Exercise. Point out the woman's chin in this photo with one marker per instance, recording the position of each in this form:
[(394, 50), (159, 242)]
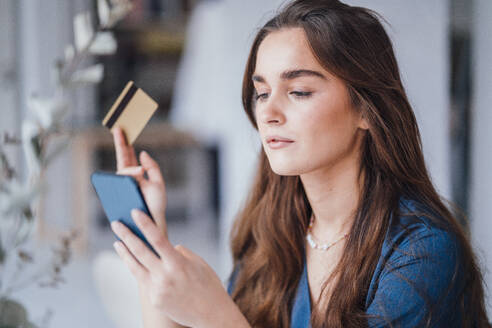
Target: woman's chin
[(284, 170)]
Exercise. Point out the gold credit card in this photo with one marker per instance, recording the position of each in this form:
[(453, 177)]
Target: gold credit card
[(131, 112)]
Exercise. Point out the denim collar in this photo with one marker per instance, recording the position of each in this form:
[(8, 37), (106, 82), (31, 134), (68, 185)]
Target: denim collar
[(301, 310)]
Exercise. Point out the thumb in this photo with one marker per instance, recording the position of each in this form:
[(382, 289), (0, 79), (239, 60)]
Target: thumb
[(151, 167)]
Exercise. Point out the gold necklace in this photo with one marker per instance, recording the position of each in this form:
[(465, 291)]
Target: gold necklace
[(314, 244)]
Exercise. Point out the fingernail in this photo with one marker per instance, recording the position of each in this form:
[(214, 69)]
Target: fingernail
[(138, 217), (116, 225)]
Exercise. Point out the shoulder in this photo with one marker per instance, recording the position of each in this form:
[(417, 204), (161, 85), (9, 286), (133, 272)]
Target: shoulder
[(420, 265), (412, 232)]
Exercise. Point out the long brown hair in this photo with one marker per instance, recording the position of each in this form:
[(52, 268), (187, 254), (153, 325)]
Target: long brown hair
[(268, 234)]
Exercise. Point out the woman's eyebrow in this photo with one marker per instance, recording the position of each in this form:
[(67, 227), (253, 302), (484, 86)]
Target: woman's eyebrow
[(292, 74)]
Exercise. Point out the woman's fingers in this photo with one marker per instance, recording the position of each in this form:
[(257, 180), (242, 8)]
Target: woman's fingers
[(154, 235), (125, 154), (131, 170), (136, 246), (151, 166), (138, 271), (135, 171)]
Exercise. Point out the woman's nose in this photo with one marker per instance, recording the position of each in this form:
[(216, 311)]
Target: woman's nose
[(271, 112)]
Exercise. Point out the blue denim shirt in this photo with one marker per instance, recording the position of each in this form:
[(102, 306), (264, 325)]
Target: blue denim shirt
[(413, 276)]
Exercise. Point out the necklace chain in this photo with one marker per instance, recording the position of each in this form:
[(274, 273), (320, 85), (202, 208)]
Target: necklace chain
[(314, 244)]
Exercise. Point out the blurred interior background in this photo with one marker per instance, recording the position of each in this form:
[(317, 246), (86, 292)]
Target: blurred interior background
[(189, 56)]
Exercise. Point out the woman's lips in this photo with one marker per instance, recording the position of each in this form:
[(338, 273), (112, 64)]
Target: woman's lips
[(279, 144), (276, 142)]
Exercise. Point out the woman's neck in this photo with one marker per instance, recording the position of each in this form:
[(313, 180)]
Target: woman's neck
[(333, 194)]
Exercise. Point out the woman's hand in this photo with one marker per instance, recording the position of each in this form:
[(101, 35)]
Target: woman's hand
[(153, 188), (179, 283)]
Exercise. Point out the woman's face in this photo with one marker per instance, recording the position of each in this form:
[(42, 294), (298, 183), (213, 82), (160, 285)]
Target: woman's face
[(300, 102)]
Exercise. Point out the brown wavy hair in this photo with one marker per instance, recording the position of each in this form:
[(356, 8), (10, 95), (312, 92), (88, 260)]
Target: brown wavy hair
[(268, 236)]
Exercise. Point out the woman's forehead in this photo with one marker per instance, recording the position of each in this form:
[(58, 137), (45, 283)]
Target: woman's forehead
[(286, 50)]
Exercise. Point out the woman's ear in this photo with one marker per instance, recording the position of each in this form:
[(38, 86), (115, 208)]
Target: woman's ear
[(363, 123)]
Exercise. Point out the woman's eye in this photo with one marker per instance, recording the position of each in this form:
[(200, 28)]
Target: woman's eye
[(301, 94), (261, 96), (297, 94)]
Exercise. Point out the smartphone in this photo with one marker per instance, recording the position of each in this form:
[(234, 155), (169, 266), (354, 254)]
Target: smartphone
[(119, 194)]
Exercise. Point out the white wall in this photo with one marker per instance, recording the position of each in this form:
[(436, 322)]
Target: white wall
[(420, 33), (207, 100), (481, 173)]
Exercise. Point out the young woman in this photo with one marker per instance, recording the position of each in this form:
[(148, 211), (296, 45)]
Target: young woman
[(343, 227)]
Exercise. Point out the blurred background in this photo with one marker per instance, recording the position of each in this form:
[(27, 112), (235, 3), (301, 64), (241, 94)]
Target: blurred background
[(189, 56)]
